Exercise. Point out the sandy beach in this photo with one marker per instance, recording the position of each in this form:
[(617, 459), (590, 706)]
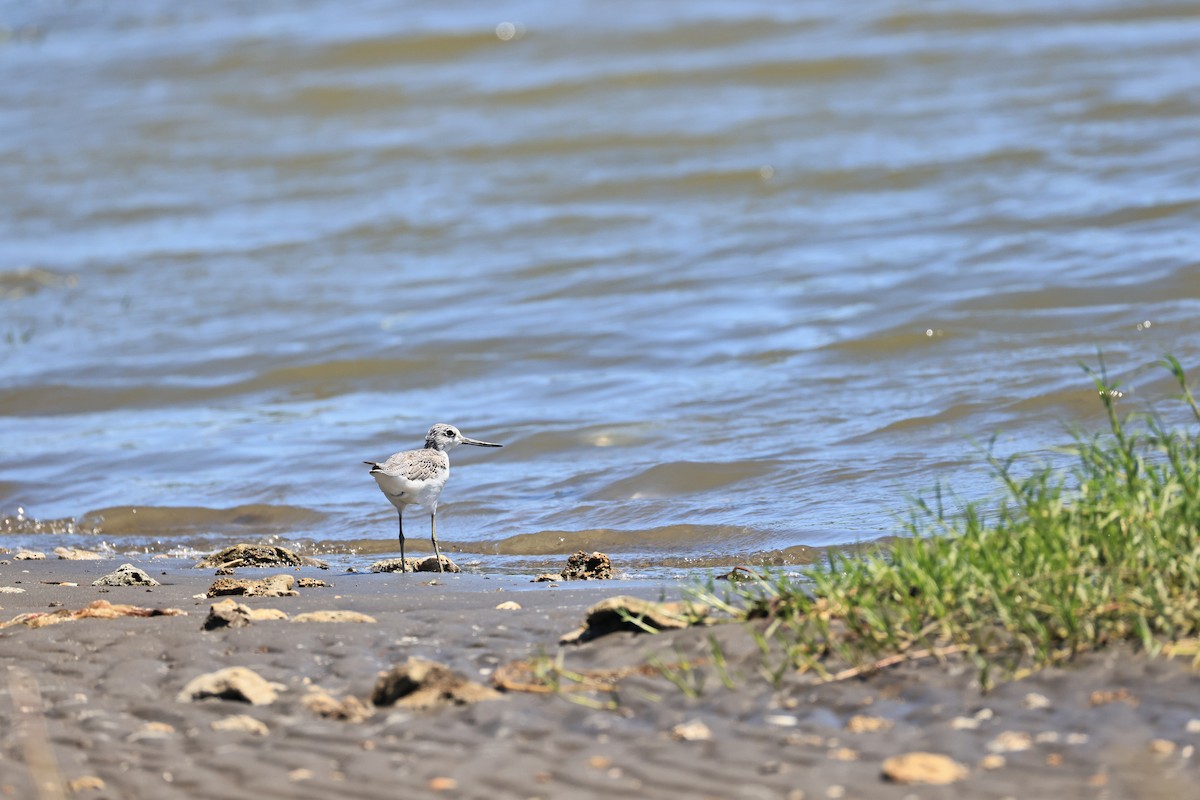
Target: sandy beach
[(93, 705)]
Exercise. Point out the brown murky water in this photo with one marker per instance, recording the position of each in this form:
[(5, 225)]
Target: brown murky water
[(725, 277)]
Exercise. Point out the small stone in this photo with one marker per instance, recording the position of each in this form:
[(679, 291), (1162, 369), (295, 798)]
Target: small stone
[(692, 731), (28, 555), (1035, 701), (427, 564), (1162, 747), (862, 723), (509, 605), (311, 583), (301, 774), (926, 768), (992, 761), (1054, 759), (1193, 725), (229, 613), (599, 762), (420, 684), (1047, 737), (232, 683), (85, 784), (1077, 738), (964, 723), (11, 590), (282, 585), (348, 709), (626, 613), (338, 615), (443, 784), (1011, 742), (126, 575), (843, 754), (1103, 697), (241, 723)]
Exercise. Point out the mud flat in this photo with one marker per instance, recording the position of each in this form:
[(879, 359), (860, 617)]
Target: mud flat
[(95, 703)]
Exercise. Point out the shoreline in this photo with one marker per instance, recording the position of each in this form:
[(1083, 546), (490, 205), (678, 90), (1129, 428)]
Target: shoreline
[(1116, 724)]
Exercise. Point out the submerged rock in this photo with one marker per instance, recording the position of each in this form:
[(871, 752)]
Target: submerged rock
[(581, 566), (257, 555), (233, 683), (126, 575), (422, 684)]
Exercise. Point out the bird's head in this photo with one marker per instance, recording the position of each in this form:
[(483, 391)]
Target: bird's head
[(446, 437)]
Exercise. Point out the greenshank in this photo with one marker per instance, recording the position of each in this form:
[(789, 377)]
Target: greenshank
[(417, 477)]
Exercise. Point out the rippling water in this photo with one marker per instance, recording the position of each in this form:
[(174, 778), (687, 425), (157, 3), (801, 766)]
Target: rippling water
[(726, 278)]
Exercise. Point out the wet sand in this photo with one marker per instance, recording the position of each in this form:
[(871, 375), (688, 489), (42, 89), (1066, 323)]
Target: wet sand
[(96, 699)]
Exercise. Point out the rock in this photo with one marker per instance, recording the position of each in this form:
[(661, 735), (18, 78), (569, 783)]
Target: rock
[(99, 609), (422, 684), (1103, 697), (427, 564), (126, 575), (509, 605), (919, 767), (584, 567), (693, 731), (274, 586), (348, 709), (1035, 701), (11, 590), (338, 615), (28, 555), (241, 723), (547, 577), (861, 723), (441, 783), (625, 613), (1011, 742), (232, 683), (86, 783), (311, 583), (230, 614), (257, 555), (75, 554)]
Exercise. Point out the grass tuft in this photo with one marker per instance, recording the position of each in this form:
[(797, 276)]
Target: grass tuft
[(1069, 560)]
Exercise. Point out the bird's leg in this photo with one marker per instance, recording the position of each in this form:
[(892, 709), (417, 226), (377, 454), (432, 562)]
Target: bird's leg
[(433, 533), (400, 520)]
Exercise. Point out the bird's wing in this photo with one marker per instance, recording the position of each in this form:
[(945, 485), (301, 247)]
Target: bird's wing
[(416, 465)]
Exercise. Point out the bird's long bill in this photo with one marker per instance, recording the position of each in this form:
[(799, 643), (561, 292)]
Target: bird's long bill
[(478, 443)]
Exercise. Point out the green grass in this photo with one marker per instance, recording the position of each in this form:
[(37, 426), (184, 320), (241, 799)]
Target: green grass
[(1067, 561)]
